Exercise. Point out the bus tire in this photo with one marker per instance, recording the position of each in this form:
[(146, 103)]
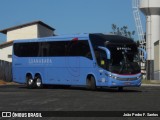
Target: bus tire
[(91, 83), (38, 82), (30, 82), (120, 89)]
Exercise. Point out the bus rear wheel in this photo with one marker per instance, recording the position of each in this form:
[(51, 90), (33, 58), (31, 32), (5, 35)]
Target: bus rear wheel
[(30, 82), (38, 82), (91, 84)]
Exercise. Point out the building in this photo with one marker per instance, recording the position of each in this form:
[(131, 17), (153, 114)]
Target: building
[(151, 9), (30, 30)]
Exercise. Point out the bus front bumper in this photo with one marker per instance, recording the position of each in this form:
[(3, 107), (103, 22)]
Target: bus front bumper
[(124, 81), (117, 83)]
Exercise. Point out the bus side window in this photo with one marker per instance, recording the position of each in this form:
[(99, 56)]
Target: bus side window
[(79, 48)]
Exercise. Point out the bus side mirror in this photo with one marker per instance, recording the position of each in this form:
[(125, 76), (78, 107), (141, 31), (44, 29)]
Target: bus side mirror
[(107, 51), (144, 57)]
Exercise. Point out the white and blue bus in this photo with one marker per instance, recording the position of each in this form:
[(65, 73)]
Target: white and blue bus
[(91, 60)]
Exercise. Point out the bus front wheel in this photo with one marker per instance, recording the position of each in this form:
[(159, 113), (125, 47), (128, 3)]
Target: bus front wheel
[(120, 88), (91, 84)]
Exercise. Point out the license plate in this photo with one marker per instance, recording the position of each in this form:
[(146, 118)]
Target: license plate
[(127, 83)]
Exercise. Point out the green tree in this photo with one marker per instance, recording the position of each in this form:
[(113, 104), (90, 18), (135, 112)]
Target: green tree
[(122, 31)]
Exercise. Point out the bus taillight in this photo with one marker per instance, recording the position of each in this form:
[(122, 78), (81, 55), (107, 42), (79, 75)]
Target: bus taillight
[(75, 39)]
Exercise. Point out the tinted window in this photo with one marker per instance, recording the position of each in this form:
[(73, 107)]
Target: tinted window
[(78, 48), (26, 49), (57, 48), (53, 48)]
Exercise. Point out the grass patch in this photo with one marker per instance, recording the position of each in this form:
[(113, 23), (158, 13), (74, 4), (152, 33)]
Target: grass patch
[(146, 82), (150, 82)]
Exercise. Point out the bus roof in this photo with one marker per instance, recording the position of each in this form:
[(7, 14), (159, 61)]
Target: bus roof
[(113, 39), (108, 37), (56, 38)]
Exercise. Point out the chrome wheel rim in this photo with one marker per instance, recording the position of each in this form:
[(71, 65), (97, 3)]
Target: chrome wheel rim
[(30, 81), (38, 82)]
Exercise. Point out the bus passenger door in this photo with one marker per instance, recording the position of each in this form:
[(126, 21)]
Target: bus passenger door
[(102, 66)]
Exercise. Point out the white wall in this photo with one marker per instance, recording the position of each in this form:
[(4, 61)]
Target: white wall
[(157, 60), (4, 52), (27, 32)]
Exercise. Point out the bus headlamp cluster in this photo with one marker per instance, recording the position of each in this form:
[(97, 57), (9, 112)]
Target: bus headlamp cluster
[(112, 76), (139, 77)]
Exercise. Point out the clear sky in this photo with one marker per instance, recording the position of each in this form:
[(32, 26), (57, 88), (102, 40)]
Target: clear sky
[(68, 16)]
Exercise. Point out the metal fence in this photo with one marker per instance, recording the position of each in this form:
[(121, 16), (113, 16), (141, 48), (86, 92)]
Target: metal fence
[(5, 71)]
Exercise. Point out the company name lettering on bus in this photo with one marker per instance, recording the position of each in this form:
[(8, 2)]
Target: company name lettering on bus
[(123, 48), (40, 61)]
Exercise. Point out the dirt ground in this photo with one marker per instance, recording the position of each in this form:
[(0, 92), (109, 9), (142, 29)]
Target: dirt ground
[(7, 83)]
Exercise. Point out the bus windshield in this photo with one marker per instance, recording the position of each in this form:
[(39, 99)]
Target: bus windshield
[(124, 59), (124, 53)]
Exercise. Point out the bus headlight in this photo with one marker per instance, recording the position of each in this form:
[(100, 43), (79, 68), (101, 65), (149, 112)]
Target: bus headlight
[(109, 75), (114, 77), (139, 77)]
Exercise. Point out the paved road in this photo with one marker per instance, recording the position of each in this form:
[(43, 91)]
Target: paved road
[(19, 98)]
